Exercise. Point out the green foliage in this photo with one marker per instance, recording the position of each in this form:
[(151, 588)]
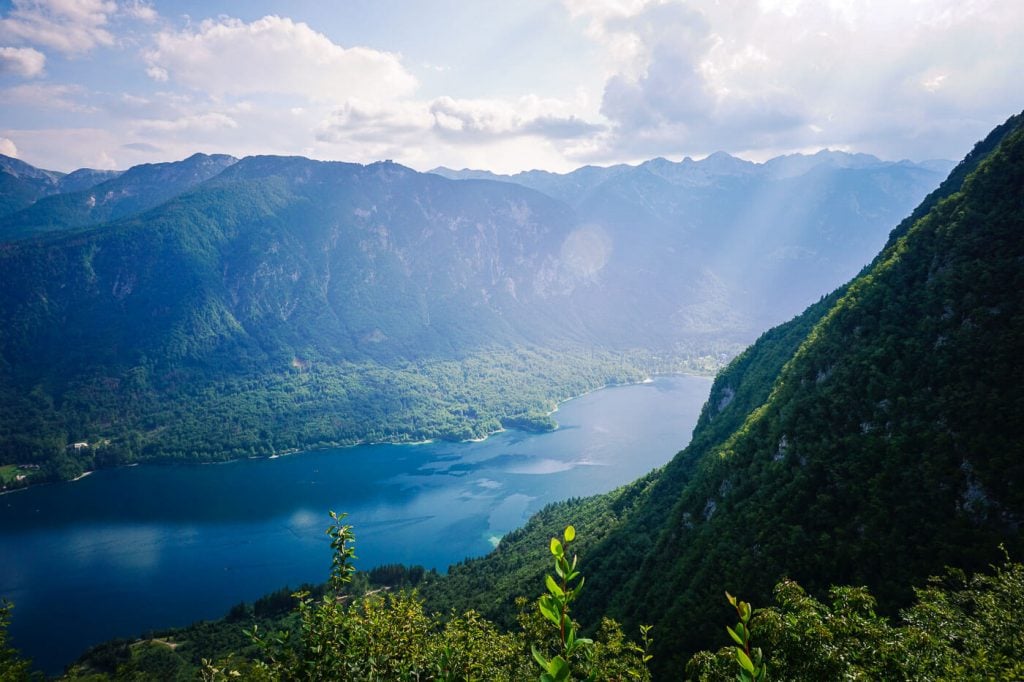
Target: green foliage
[(335, 633), (188, 415), (885, 445), (749, 658), (489, 584), (959, 628), (343, 552), (554, 606), (12, 667)]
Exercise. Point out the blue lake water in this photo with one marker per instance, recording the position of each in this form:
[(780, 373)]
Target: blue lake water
[(126, 550)]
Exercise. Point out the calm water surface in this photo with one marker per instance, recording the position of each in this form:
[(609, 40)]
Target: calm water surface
[(126, 550)]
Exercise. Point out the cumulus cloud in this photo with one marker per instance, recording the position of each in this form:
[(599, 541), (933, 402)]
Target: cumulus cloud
[(665, 77), (456, 121), (63, 149), (275, 55), (899, 79), (68, 26), (22, 61), (528, 115), (198, 122), (8, 148), (363, 121)]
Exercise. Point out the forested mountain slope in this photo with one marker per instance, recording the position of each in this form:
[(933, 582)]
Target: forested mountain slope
[(22, 184), (86, 198), (891, 443), (874, 439), (302, 303)]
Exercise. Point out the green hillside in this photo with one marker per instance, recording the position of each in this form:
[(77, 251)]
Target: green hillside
[(87, 197), (873, 440), (890, 444)]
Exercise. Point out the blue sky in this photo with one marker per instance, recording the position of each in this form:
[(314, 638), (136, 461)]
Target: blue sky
[(507, 86)]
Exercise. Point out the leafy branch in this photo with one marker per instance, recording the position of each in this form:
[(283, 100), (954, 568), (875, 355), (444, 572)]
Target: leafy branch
[(752, 666)]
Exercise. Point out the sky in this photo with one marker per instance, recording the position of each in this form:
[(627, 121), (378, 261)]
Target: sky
[(505, 86)]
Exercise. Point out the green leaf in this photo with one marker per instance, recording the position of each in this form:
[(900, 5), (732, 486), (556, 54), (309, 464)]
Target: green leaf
[(559, 668), (549, 610), (736, 638), (553, 587), (537, 656), (570, 533), (744, 660), (556, 548)]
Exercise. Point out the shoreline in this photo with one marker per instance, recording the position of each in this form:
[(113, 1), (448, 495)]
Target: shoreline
[(296, 451)]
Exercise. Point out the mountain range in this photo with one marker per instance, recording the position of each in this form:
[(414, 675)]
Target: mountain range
[(130, 299), (734, 246)]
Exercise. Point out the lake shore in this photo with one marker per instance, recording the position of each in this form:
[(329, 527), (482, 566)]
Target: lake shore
[(362, 442)]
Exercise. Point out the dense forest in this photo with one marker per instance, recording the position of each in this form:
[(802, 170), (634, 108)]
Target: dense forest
[(874, 442), (374, 625), (185, 416)]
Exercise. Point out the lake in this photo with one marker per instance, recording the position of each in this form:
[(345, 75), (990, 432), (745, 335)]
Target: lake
[(126, 550)]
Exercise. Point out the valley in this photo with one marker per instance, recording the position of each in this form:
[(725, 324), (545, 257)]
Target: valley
[(219, 308)]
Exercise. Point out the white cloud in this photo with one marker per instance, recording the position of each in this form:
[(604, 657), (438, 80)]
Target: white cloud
[(141, 10), (455, 121), (362, 121), (64, 149), (68, 26), (664, 77), (275, 55), (22, 61), (198, 122), (46, 96), (897, 79), (8, 148), (468, 119)]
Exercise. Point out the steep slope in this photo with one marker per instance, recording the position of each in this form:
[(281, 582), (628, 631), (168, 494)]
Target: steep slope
[(891, 442), (82, 202), (874, 439), (295, 256), (22, 184), (732, 245)]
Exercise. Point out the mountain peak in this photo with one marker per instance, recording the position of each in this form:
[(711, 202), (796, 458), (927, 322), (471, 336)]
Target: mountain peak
[(21, 169)]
